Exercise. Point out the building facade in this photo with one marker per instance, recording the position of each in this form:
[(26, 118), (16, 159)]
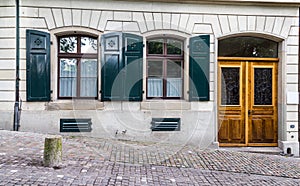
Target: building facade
[(207, 73)]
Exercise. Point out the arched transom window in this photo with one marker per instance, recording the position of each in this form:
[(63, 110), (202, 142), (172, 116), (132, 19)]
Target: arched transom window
[(246, 46)]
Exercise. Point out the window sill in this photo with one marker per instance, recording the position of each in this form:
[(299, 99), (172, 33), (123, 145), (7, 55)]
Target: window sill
[(165, 105), (75, 104)]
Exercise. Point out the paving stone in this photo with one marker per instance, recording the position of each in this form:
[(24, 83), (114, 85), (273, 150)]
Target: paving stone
[(96, 161)]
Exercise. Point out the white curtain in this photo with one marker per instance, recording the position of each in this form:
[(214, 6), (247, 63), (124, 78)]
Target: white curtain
[(88, 81), (174, 87), (67, 87), (155, 87), (88, 87), (68, 73)]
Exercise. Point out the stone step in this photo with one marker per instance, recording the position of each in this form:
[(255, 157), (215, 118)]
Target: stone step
[(261, 150)]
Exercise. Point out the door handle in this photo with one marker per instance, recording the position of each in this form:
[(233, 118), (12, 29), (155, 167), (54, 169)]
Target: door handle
[(249, 112)]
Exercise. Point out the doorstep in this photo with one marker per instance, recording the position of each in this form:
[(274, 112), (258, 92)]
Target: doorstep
[(261, 150)]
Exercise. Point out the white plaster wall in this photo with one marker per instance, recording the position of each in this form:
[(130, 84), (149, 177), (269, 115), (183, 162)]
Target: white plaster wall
[(7, 63), (7, 52)]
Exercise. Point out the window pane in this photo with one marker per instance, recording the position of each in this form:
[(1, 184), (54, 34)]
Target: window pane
[(68, 45), (67, 87), (88, 80), (88, 67), (174, 87), (155, 68), (174, 69), (155, 46), (155, 87), (174, 47), (68, 67), (263, 86), (248, 47), (88, 45), (230, 86), (88, 87), (68, 74)]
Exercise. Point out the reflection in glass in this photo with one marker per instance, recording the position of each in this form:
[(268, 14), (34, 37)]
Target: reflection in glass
[(174, 47), (88, 45), (155, 46), (248, 47), (174, 69), (263, 86), (68, 45), (155, 68), (174, 79), (88, 78), (230, 86), (68, 74)]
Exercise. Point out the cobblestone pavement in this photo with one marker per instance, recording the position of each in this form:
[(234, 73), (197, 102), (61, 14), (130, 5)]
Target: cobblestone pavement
[(95, 161)]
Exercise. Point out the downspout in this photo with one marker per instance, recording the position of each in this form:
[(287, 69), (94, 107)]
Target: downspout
[(17, 107), (299, 75)]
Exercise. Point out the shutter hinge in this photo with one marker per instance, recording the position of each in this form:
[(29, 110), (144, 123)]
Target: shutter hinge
[(100, 91), (51, 91), (143, 45), (188, 46), (51, 43)]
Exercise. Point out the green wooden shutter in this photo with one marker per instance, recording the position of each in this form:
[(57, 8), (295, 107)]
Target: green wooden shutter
[(38, 65), (199, 68), (133, 61), (111, 60), (121, 72)]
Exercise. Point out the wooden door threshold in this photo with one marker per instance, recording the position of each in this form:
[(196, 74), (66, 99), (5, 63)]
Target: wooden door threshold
[(263, 144), (248, 145)]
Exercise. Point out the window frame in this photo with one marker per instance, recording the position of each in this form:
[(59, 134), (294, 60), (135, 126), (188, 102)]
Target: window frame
[(164, 57), (78, 56)]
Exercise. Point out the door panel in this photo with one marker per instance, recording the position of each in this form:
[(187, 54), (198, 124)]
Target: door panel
[(247, 103), (231, 109), (262, 103)]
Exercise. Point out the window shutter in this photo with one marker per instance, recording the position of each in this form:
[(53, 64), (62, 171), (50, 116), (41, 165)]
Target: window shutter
[(133, 61), (199, 68), (121, 72), (38, 65), (111, 59)]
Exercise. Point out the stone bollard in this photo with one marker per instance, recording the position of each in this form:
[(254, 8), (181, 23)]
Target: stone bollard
[(53, 151)]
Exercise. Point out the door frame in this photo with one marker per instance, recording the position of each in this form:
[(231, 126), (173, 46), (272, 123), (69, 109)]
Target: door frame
[(245, 59)]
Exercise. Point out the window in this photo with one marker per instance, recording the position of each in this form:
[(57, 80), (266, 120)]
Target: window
[(78, 67), (164, 68), (245, 46)]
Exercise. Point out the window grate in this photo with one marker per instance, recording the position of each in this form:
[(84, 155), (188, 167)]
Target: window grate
[(165, 124), (75, 125)]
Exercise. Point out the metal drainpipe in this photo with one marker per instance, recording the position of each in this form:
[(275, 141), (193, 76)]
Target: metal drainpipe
[(299, 76), (17, 108)]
